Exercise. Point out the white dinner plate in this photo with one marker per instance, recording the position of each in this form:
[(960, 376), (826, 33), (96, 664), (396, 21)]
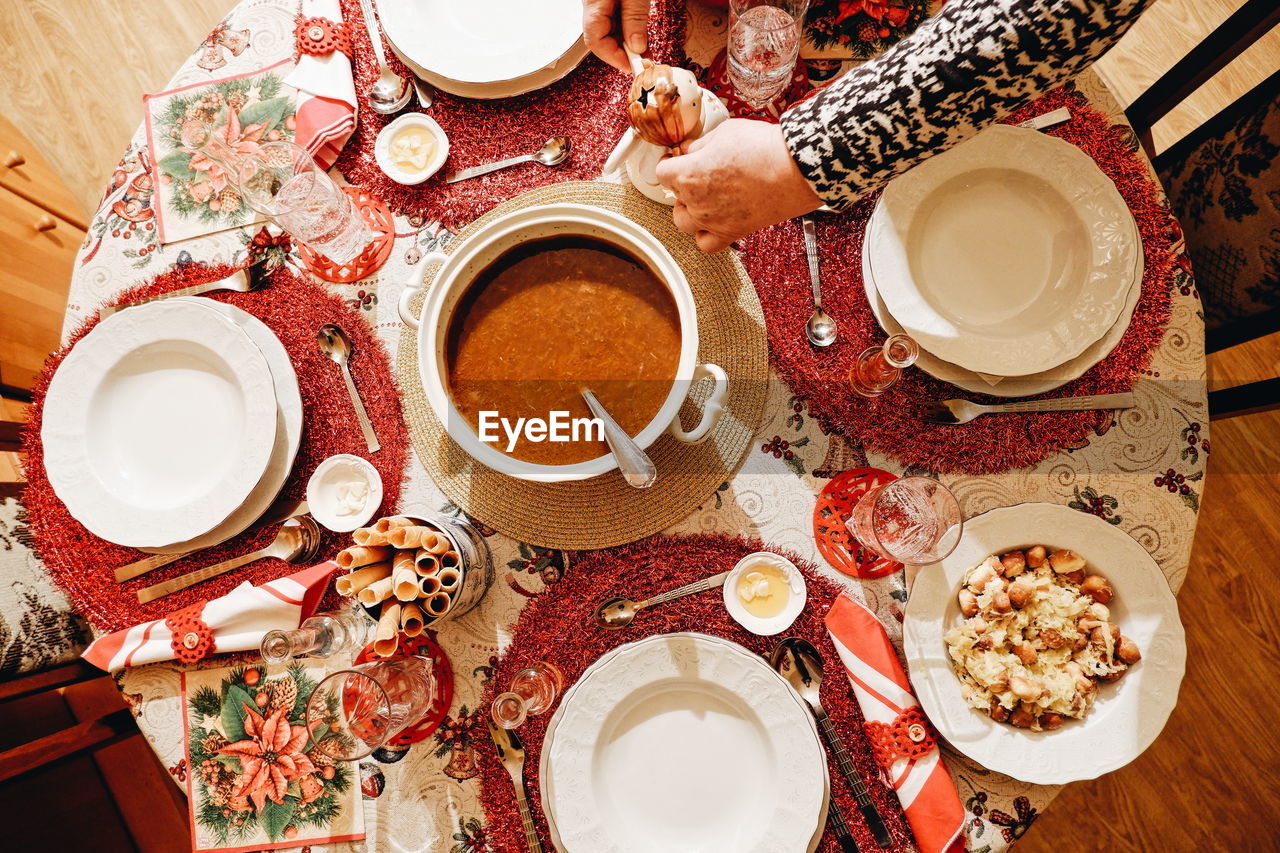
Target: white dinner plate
[(680, 743), (482, 41), (288, 429), (1020, 386), (544, 781), (158, 424), (1127, 715), (505, 88), (1008, 254)]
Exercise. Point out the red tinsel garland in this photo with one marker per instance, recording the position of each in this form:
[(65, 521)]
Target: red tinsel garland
[(557, 627), (588, 106), (294, 308), (893, 424)]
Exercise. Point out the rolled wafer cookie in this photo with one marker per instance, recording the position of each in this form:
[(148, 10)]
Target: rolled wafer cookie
[(450, 560), (385, 525), (376, 592), (425, 562), (368, 536), (404, 584), (411, 620), (428, 586), (438, 603), (387, 638), (411, 538), (362, 555), (449, 579), (351, 584)]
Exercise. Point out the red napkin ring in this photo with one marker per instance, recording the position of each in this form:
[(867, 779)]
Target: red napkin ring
[(321, 37), (909, 736), (191, 639)]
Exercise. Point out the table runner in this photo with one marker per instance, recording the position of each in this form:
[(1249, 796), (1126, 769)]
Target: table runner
[(427, 797)]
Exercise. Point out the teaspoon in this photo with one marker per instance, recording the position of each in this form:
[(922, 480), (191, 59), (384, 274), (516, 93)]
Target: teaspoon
[(392, 92), (552, 153), (335, 344), (821, 328), (801, 665), (615, 613), (636, 466)]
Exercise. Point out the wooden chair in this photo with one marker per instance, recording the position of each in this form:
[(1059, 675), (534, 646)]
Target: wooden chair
[(1223, 181)]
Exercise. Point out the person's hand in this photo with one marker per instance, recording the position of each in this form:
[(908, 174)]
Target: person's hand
[(602, 20), (737, 179)]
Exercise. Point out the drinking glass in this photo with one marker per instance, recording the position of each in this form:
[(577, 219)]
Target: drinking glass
[(354, 712), (879, 367), (321, 636), (764, 41), (913, 520), (533, 691)]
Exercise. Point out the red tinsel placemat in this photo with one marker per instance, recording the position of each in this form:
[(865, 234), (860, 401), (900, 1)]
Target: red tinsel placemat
[(557, 627), (893, 424), (588, 106), (294, 308)]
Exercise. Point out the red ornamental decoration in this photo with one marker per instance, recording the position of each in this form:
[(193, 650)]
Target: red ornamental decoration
[(909, 736), (383, 227), (877, 10), (192, 639), (321, 37), (831, 512), (441, 698)]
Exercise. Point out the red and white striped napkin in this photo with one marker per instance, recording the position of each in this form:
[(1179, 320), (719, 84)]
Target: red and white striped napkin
[(923, 786), (236, 622), (326, 93)]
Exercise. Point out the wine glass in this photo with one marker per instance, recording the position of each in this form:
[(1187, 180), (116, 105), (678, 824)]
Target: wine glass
[(355, 711), (913, 520), (764, 42)]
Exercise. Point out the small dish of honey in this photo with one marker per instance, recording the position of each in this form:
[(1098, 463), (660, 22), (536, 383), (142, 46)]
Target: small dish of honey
[(764, 593), (411, 149)]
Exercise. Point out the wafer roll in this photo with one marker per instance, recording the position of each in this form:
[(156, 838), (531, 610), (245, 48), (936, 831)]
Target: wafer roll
[(368, 536), (402, 560), (437, 545), (449, 579), (387, 639), (376, 592), (405, 583), (438, 603), (362, 555), (450, 560), (351, 584), (411, 621), (410, 538), (386, 525), (425, 562), (429, 585)]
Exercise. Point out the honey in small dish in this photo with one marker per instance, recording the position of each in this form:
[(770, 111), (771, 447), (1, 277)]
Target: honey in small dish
[(412, 148), (765, 593), (763, 590)]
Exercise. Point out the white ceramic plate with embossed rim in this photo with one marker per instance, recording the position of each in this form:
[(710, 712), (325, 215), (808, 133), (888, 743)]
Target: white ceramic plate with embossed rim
[(1127, 715), (539, 79), (288, 429), (482, 41), (683, 728), (158, 424), (1008, 254), (1020, 386), (544, 782)]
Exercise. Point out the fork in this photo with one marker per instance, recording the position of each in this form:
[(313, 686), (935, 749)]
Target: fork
[(963, 411), (511, 754), (241, 281)]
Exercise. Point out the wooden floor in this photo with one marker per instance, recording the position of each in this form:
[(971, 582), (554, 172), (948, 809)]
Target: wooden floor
[(1210, 782)]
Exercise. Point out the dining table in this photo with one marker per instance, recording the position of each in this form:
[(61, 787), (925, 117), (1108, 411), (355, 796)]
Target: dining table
[(1141, 470)]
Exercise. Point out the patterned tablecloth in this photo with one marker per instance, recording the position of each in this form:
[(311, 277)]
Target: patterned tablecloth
[(425, 798)]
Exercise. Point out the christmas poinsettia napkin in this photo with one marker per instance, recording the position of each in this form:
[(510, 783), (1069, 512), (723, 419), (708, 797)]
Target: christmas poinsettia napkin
[(255, 780), (901, 737), (234, 622)]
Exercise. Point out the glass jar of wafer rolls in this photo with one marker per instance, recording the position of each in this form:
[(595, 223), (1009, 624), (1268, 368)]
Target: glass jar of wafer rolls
[(410, 572)]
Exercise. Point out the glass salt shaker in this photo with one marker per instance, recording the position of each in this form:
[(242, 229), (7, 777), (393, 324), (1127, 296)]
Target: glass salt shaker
[(321, 636), (877, 368)]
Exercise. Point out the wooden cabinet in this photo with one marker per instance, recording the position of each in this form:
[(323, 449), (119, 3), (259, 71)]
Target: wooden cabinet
[(41, 229)]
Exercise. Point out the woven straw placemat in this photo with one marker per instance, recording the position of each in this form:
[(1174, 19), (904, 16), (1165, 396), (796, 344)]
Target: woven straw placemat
[(604, 510)]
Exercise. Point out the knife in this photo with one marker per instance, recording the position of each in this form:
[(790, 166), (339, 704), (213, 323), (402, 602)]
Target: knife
[(847, 842), (511, 754)]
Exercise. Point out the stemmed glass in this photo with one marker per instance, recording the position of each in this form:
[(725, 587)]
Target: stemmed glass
[(354, 712), (877, 368), (533, 691), (764, 42), (912, 520)]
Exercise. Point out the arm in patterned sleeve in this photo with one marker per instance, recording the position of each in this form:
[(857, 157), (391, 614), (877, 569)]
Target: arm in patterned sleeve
[(968, 66)]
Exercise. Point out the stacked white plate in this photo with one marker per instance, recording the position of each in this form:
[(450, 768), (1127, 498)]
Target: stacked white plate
[(683, 742), (485, 48), (172, 425), (1011, 259)]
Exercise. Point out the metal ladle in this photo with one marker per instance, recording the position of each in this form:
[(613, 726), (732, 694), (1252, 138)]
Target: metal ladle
[(615, 613), (636, 466), (552, 153), (334, 343)]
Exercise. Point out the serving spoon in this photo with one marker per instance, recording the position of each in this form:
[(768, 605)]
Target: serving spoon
[(552, 153), (636, 466), (615, 613), (801, 665), (334, 343)]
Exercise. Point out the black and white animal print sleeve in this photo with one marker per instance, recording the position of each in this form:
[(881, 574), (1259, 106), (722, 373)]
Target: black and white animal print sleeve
[(968, 66)]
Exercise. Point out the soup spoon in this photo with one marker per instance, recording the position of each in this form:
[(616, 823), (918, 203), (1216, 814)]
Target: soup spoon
[(636, 466), (615, 613), (391, 93), (821, 328), (552, 153), (334, 343)]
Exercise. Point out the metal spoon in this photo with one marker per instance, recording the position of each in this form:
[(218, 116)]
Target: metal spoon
[(615, 613), (335, 344), (392, 92), (821, 328), (241, 281), (801, 665), (636, 466), (552, 153), (297, 542), (426, 94)]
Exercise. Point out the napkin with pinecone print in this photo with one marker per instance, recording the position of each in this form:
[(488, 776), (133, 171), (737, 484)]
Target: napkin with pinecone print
[(255, 780)]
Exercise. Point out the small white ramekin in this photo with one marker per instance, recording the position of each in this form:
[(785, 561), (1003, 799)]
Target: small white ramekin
[(324, 511), (382, 148), (775, 624)]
